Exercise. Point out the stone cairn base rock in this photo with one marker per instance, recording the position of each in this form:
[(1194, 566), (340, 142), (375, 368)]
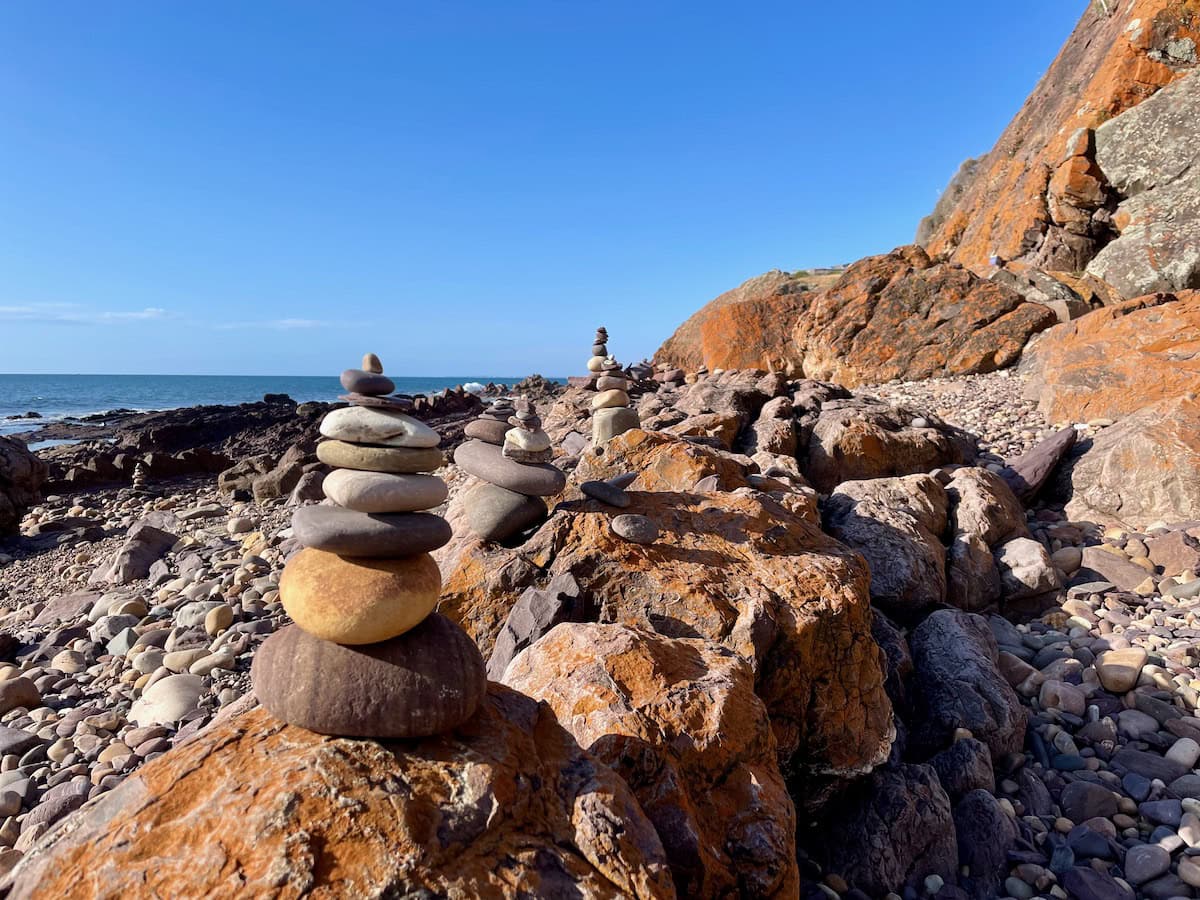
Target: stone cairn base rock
[(611, 414), (367, 655), (511, 454)]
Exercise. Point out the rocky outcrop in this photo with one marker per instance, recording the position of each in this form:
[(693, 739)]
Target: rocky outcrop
[(1039, 195), (954, 191), (1151, 157), (678, 720), (900, 315), (662, 462), (1118, 359), (737, 568), (508, 805), (21, 477), (897, 315), (1144, 469)]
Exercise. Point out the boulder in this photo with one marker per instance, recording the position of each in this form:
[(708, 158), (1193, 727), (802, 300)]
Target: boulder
[(983, 505), (1151, 159), (679, 721), (662, 462), (1026, 474), (506, 806), (145, 543), (283, 477), (1118, 359), (22, 474), (1098, 564), (532, 616), (900, 315), (1025, 569), (864, 438), (890, 831), (957, 684), (738, 568), (894, 523), (1038, 196), (985, 833), (1144, 469)]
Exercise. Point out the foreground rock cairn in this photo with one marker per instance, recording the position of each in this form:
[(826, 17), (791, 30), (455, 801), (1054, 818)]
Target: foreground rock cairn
[(611, 414), (367, 655), (511, 454)]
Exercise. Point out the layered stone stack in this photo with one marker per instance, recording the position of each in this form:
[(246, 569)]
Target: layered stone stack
[(611, 414), (367, 656), (139, 480), (512, 459)]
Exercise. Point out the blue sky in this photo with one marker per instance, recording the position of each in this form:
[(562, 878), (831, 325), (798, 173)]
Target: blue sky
[(463, 187)]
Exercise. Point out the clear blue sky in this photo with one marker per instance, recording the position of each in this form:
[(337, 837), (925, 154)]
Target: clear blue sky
[(468, 188)]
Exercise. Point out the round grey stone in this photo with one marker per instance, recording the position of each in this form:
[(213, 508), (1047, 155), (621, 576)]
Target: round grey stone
[(635, 529), (495, 513), (356, 381)]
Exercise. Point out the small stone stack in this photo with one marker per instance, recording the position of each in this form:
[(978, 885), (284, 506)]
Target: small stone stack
[(611, 413), (512, 458), (367, 656), (139, 480)]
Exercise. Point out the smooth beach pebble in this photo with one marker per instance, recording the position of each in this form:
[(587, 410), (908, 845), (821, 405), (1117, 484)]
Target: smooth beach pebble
[(635, 529)]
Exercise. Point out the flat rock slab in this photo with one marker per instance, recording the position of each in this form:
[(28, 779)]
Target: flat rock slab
[(383, 492), (488, 462), (344, 455), (363, 424)]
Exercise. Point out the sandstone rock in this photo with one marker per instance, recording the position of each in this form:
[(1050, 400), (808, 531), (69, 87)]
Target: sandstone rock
[(18, 692), (1144, 469), (894, 523), (1118, 360), (608, 423), (1097, 564), (1149, 155), (899, 315), (506, 806), (1119, 669), (982, 504), (283, 477), (427, 681), (972, 578), (902, 814), (496, 513), (532, 616), (861, 438), (679, 721), (487, 462), (167, 700), (1036, 194), (22, 474), (144, 544), (662, 462), (957, 685), (358, 601), (735, 568), (343, 455)]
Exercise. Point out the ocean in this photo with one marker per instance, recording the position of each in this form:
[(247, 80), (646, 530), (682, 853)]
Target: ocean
[(60, 397)]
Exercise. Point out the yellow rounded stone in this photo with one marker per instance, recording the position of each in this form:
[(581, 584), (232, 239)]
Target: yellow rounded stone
[(610, 399), (596, 364), (359, 600)]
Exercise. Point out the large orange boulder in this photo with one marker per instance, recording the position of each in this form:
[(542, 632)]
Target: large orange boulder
[(506, 806), (661, 461), (737, 568), (678, 720), (1116, 360), (1039, 196), (899, 315)]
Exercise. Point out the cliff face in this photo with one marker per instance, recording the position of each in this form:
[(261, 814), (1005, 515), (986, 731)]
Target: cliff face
[(1039, 196)]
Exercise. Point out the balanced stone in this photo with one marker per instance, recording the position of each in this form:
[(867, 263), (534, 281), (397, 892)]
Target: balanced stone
[(363, 425), (358, 601), (487, 461), (612, 383), (635, 529), (595, 364), (530, 441), (381, 492), (359, 382), (489, 430), (608, 423), (399, 403), (349, 533), (599, 350), (372, 364), (610, 399), (495, 513), (427, 681), (379, 459)]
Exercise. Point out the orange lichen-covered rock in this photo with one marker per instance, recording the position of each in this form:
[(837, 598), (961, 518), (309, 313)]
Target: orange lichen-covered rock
[(1116, 360), (506, 806), (679, 721), (1038, 196), (898, 315), (753, 334), (662, 462), (737, 568)]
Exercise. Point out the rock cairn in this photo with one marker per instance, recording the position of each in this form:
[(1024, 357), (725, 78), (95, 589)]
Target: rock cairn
[(510, 454), (140, 487), (611, 414), (367, 655)]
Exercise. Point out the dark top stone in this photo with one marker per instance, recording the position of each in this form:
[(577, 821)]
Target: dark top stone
[(605, 493), (356, 381), (350, 533), (488, 430), (487, 461)]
